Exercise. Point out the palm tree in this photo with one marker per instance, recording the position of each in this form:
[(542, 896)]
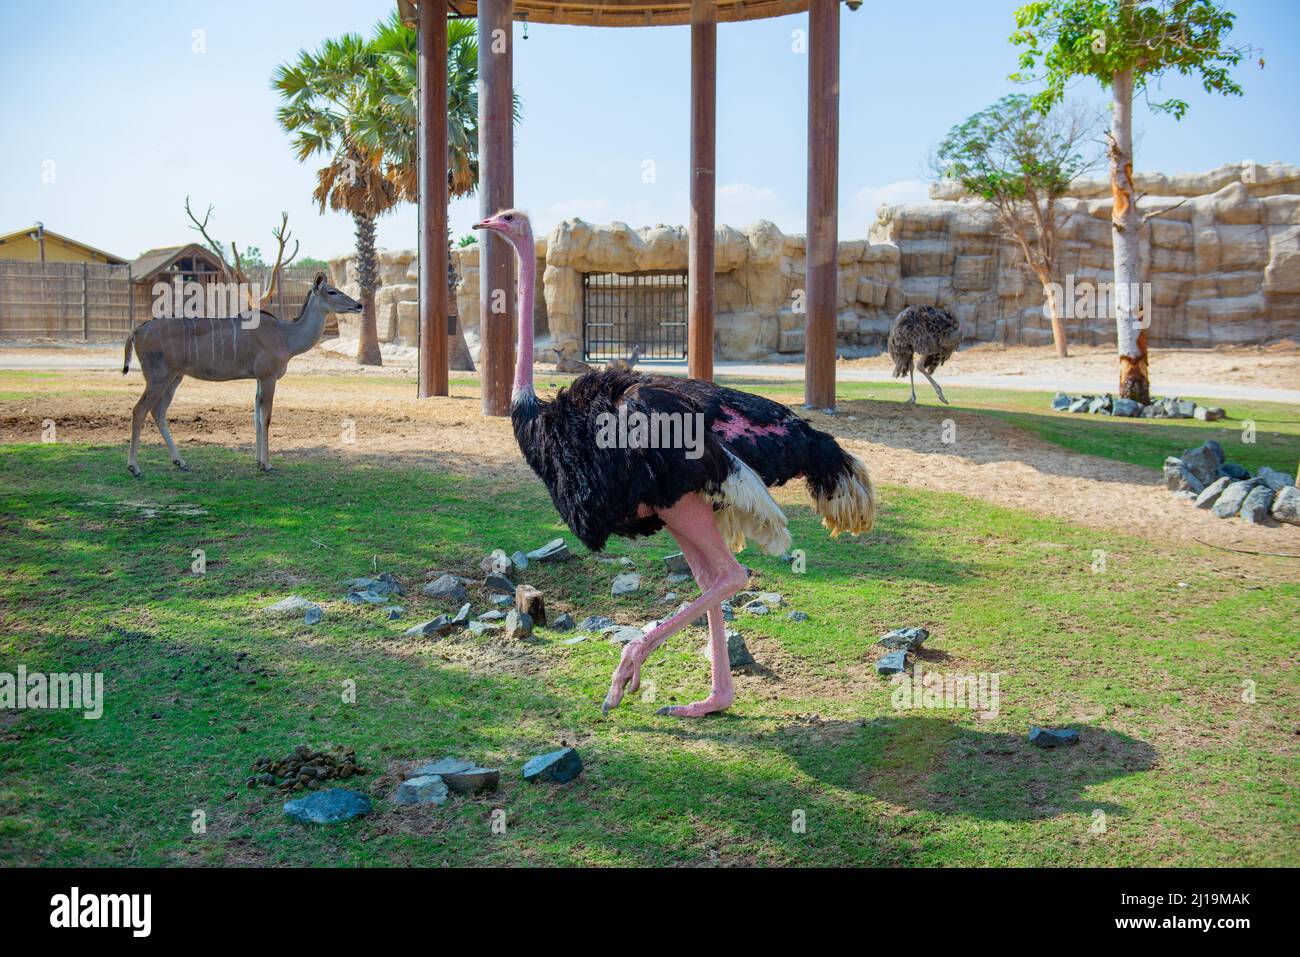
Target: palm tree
[(330, 98)]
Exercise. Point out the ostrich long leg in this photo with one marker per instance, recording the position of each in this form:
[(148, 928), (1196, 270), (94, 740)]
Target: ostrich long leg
[(911, 372), (722, 693), (720, 576), (935, 385)]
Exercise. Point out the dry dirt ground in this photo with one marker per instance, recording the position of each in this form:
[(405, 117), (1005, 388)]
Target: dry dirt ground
[(990, 460)]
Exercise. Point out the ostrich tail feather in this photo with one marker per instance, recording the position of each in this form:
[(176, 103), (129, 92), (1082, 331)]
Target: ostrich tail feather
[(747, 511), (850, 505)]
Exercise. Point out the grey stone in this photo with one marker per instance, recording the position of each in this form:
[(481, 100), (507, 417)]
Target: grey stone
[(518, 624), (1273, 479), (1203, 462), (1286, 505), (797, 616), (502, 600), (1182, 409), (434, 626), (893, 663), (1100, 405), (461, 618), (474, 780), (728, 612), (1126, 407), (1234, 471), (385, 584), (677, 579), (519, 560), (621, 635), (312, 615), (1052, 737), (1061, 402), (499, 585), (771, 599), (904, 639), (756, 607), (625, 584), (366, 598), (575, 640), (738, 653), (447, 588), (561, 766), (1080, 404), (1174, 471), (1229, 502), (1211, 492), (331, 806), (1185, 495), (291, 607), (1258, 501), (596, 623), (480, 628), (1208, 413), (553, 551), (442, 766), (677, 564), (564, 622), (493, 615), (426, 789), (393, 612)]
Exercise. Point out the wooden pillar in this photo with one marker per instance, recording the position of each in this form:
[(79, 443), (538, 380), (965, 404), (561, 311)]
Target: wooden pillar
[(496, 191), (432, 133), (823, 198), (704, 135)]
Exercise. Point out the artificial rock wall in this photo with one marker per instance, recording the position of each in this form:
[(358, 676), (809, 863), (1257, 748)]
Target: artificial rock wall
[(1221, 252)]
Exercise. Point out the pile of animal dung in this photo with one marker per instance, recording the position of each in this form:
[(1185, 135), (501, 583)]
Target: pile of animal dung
[(303, 768)]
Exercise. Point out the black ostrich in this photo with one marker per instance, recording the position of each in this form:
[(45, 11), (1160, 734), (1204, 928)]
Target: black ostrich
[(701, 469), (927, 332)]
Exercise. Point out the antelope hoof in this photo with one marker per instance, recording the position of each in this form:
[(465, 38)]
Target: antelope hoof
[(134, 470), (181, 465), (267, 468)]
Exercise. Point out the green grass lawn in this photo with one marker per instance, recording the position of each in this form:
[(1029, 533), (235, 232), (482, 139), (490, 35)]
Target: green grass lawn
[(1150, 659)]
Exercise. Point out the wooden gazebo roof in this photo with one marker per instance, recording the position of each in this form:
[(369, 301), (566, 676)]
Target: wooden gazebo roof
[(623, 13)]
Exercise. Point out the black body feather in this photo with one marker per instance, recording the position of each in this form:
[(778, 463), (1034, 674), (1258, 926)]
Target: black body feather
[(599, 491)]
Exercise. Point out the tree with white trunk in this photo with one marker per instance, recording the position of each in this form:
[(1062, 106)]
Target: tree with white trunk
[(1127, 46)]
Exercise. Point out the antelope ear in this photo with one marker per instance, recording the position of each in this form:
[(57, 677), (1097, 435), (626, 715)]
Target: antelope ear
[(320, 280)]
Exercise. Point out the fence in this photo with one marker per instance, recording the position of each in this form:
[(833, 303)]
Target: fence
[(621, 311), (92, 301)]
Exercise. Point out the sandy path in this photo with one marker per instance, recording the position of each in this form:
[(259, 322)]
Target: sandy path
[(990, 460)]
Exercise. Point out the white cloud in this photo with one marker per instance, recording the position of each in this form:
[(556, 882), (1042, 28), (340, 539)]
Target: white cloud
[(867, 200), (740, 204), (593, 209)]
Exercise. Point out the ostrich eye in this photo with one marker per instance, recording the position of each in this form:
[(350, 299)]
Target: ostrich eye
[(510, 218)]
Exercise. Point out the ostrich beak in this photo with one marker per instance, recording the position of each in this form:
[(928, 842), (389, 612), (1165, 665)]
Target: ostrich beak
[(484, 224)]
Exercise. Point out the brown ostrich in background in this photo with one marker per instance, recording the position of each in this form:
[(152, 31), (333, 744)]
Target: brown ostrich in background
[(924, 335)]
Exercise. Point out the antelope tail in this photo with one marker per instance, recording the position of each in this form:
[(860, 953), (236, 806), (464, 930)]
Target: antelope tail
[(126, 357)]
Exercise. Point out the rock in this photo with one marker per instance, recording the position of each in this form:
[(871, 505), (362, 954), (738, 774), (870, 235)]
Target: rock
[(480, 628), (893, 663), (625, 584), (393, 612), (728, 612), (365, 598), (1211, 492), (492, 615), (1234, 471), (425, 789), (1182, 409), (1126, 407), (447, 588), (529, 601), (1061, 402), (564, 622), (755, 607), (553, 551), (1185, 495), (596, 623), (1100, 405), (1274, 480), (1080, 404), (622, 634), (1229, 502), (461, 618), (519, 560), (291, 607), (771, 599), (677, 564), (1175, 474), (499, 585), (1286, 505), (497, 563), (797, 616), (434, 626), (313, 615), (560, 766), (1204, 414), (384, 584), (1255, 507), (1053, 737), (1203, 462), (677, 579), (501, 601), (473, 780), (442, 766), (738, 653), (904, 639), (518, 624), (328, 807)]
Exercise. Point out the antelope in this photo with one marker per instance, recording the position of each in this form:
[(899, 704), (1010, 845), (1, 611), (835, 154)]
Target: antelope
[(252, 345)]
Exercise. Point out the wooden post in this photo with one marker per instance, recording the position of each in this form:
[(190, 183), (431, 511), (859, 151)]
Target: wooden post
[(823, 196), (432, 133), (496, 191), (85, 302), (701, 259)]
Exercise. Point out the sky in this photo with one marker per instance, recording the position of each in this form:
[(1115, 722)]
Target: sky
[(116, 110)]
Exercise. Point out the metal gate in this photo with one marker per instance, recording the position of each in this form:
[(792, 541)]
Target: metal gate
[(621, 311)]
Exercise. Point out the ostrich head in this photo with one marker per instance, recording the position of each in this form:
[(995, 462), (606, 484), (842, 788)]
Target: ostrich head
[(510, 224)]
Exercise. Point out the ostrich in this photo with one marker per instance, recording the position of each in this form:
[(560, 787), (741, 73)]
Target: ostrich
[(711, 494), (928, 332)]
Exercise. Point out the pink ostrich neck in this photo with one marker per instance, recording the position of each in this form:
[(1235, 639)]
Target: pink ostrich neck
[(527, 254)]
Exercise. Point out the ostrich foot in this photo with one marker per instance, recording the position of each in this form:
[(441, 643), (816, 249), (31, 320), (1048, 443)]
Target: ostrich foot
[(717, 701), (627, 676), (180, 464), (267, 468), (911, 401)]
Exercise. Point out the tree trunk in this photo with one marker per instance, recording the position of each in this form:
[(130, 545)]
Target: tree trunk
[(1130, 324), (1059, 338), (368, 276)]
